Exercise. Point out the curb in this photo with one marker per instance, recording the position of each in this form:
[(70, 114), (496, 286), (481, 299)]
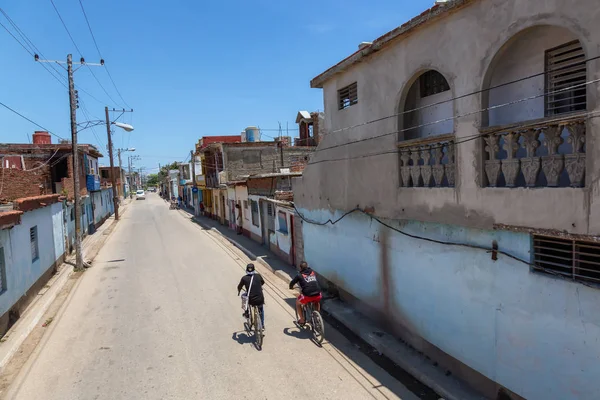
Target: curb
[(280, 274), (19, 332), (32, 316), (402, 355)]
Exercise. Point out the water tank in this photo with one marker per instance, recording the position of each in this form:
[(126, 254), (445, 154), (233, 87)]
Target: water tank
[(252, 134), (243, 136), (42, 137)]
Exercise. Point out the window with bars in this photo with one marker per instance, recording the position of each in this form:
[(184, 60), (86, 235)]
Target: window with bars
[(432, 82), (33, 239), (270, 217), (255, 216), (565, 79), (348, 96), (577, 259)]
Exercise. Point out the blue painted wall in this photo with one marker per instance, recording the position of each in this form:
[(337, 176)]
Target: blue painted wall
[(103, 206), (532, 333), (21, 271)]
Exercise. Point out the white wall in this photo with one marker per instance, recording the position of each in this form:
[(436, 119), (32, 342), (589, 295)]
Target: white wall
[(521, 57)]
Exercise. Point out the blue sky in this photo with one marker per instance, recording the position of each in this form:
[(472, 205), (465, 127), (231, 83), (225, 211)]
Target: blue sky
[(187, 68)]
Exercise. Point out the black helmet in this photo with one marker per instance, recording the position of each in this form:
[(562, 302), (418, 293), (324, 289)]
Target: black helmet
[(250, 267)]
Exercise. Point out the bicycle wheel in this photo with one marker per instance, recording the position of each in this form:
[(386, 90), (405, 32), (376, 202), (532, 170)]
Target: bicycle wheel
[(318, 327), (258, 332)]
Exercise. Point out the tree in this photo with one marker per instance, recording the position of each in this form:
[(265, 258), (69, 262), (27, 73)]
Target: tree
[(152, 180)]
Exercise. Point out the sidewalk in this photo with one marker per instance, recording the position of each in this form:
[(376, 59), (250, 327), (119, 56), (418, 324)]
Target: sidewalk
[(406, 358), (254, 250), (18, 333)]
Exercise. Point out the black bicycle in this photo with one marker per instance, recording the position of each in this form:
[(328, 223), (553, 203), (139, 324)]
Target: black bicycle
[(254, 323), (316, 321)]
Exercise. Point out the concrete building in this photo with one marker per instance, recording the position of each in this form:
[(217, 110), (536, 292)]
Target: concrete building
[(468, 133)]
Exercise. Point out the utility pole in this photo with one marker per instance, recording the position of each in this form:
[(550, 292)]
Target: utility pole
[(194, 195), (130, 179), (112, 166), (76, 188)]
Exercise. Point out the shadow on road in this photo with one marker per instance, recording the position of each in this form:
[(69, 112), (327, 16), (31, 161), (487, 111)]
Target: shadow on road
[(242, 337), (298, 333)]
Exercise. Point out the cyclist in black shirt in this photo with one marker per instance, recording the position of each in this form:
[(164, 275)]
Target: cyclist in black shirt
[(311, 291), (253, 283)]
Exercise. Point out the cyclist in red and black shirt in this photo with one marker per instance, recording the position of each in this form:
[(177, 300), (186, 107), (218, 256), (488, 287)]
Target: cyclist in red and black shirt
[(311, 291)]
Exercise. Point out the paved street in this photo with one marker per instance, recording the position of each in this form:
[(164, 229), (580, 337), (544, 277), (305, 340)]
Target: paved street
[(157, 317)]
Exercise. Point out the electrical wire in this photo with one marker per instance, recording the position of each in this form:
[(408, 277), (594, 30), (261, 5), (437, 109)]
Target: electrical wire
[(81, 54), (33, 122), (441, 242), (457, 97), (100, 54), (454, 117)]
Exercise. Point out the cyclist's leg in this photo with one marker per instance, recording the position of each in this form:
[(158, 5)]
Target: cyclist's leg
[(261, 311), (299, 310)]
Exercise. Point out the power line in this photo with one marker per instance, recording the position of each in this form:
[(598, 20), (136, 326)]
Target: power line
[(81, 55), (33, 122), (65, 26), (459, 97), (463, 115), (426, 239), (99, 53)]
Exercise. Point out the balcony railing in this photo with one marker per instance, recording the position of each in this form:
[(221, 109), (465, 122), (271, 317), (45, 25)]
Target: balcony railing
[(428, 162), (543, 154)]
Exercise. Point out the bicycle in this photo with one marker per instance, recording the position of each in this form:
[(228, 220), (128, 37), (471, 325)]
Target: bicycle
[(316, 321), (253, 322)]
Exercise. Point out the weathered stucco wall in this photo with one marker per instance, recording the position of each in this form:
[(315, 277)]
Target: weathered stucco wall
[(383, 82), (21, 271), (532, 333)]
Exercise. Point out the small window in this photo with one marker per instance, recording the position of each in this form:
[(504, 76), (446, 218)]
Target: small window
[(73, 214), (282, 221), (565, 68), (246, 209), (432, 82), (348, 96), (33, 239), (255, 216), (104, 174), (101, 200), (577, 259)]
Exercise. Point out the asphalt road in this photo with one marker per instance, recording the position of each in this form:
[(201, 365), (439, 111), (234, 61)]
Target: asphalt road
[(157, 317)]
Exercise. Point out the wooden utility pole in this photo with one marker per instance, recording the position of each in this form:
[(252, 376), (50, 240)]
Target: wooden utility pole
[(75, 150), (113, 176)]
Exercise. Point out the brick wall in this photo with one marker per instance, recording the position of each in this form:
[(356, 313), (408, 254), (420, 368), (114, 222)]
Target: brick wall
[(15, 184)]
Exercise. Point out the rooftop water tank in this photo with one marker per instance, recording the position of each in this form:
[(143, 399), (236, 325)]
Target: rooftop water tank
[(252, 134)]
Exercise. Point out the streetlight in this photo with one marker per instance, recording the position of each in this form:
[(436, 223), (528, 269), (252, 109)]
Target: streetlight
[(119, 151)]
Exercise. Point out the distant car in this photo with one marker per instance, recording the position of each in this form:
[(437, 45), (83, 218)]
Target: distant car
[(140, 195)]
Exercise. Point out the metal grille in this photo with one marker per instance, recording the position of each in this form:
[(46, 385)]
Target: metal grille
[(254, 206), (270, 217), (348, 96), (33, 238), (432, 82), (577, 259), (565, 68)]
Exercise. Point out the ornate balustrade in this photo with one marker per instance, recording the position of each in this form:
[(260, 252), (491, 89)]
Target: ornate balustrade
[(545, 154), (427, 162)]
